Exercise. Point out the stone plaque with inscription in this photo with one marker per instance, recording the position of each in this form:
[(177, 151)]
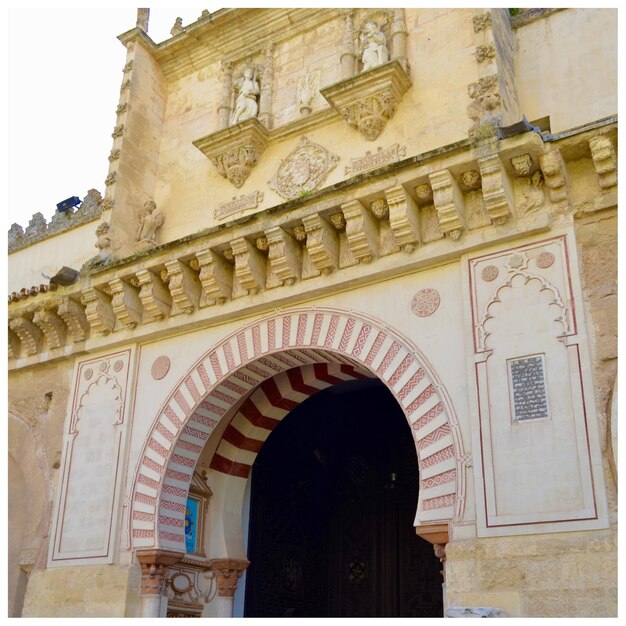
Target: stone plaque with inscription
[(247, 201), (528, 388), (378, 159)]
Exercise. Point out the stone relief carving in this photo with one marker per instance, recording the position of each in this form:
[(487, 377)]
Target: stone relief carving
[(246, 201), (150, 221), (485, 99), (532, 190), (522, 164), (104, 242), (481, 22), (236, 164), (303, 170), (378, 159), (485, 52), (246, 103), (471, 179), (373, 47), (307, 88), (425, 302)]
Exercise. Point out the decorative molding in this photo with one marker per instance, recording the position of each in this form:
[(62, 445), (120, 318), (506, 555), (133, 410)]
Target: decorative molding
[(125, 303), (52, 327), (497, 191), (403, 218), (154, 296), (449, 203), (235, 150), (98, 310), (285, 255), (322, 243), (245, 201), (250, 265), (228, 572), (369, 100), (29, 334), (361, 231), (73, 314), (378, 159), (303, 170), (184, 287), (216, 278)]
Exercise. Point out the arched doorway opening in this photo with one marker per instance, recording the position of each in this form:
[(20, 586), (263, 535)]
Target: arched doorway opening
[(332, 508)]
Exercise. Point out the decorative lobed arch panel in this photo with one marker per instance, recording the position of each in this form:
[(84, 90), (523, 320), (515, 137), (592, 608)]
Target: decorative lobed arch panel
[(250, 378)]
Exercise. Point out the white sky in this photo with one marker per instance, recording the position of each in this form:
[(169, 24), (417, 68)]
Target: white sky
[(64, 75)]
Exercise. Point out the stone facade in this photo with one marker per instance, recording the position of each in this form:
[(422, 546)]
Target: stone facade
[(359, 217)]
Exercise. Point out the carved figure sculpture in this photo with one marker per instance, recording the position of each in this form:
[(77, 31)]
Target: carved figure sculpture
[(307, 87), (373, 46), (246, 104), (104, 241), (532, 192), (149, 222)]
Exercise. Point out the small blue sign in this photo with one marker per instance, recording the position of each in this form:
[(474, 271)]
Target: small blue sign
[(191, 525)]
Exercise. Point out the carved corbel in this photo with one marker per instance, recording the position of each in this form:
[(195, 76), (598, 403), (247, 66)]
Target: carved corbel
[(555, 176), (184, 287), (250, 265), (604, 161), (154, 296), (30, 335), (369, 100), (13, 344), (449, 203), (285, 255), (228, 572), (73, 314), (361, 231), (497, 189), (235, 151), (216, 278), (52, 327), (98, 310), (403, 218), (125, 303), (322, 243)]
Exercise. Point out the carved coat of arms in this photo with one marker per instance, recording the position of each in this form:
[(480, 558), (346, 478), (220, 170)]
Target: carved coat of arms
[(303, 170)]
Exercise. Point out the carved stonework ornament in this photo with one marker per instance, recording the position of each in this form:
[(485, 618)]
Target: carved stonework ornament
[(235, 151), (425, 302), (304, 170), (471, 179), (545, 260), (489, 273), (378, 159), (307, 89), (522, 164), (369, 100), (246, 201)]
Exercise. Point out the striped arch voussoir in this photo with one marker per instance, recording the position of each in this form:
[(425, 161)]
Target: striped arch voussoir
[(275, 364)]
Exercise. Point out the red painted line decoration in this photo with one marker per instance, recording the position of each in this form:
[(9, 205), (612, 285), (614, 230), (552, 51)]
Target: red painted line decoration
[(143, 516), (411, 384), (241, 344), (273, 385), (361, 339)]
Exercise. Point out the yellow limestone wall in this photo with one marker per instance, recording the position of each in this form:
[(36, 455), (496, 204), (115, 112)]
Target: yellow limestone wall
[(552, 575)]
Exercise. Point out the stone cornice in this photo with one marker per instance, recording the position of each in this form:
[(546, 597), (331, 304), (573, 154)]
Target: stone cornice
[(223, 35), (247, 266)]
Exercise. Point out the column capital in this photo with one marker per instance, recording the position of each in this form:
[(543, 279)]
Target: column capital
[(228, 572), (154, 563)]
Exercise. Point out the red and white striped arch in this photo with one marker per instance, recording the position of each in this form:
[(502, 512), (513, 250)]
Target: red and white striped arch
[(254, 377)]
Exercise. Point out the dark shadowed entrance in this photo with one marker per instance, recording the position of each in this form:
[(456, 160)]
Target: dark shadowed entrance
[(334, 493)]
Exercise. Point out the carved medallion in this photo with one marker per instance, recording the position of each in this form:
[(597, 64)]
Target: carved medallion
[(160, 367), (303, 170), (425, 302), (545, 259), (490, 273)]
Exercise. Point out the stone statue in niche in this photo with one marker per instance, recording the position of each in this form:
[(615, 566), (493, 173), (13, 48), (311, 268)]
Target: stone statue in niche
[(373, 46), (150, 221), (246, 104)]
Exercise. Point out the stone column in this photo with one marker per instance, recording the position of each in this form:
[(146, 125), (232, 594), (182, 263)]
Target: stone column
[(265, 99), (224, 109), (154, 564), (347, 53), (399, 39), (227, 572)]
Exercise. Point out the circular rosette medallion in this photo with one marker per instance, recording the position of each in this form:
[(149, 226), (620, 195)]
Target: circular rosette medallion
[(303, 170), (425, 302)]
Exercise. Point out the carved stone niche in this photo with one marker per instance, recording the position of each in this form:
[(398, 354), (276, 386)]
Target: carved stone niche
[(235, 150), (369, 100)]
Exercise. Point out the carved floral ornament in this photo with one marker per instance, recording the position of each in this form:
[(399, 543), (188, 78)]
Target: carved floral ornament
[(304, 170)]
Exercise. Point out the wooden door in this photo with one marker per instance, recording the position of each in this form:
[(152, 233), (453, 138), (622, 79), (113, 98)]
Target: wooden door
[(334, 492)]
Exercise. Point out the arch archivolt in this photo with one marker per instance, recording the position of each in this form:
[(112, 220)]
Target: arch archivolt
[(259, 373)]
